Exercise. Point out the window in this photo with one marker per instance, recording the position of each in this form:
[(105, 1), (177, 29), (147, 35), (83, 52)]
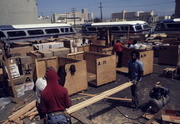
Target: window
[(35, 32), (71, 30), (66, 29), (138, 27), (62, 29), (2, 34), (115, 28), (173, 26), (51, 31), (91, 29), (16, 33), (146, 27), (124, 28)]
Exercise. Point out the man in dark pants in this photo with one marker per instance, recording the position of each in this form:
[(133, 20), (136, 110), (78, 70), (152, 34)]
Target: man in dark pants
[(118, 47), (54, 99), (135, 67)]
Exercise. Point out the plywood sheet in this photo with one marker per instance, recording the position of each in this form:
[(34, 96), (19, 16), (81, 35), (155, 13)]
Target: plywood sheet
[(106, 70), (43, 63), (77, 82)]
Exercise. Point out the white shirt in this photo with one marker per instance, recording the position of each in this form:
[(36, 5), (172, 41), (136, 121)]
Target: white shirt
[(40, 85)]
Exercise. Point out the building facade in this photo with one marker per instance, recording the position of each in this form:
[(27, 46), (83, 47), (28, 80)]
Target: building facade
[(79, 17), (19, 12), (139, 15)]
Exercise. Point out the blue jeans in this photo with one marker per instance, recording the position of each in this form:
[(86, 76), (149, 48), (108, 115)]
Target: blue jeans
[(57, 119)]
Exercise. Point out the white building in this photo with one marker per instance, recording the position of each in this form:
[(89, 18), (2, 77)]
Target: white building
[(79, 17), (139, 15)]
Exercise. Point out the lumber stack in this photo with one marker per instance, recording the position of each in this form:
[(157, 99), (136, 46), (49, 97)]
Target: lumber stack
[(29, 111)]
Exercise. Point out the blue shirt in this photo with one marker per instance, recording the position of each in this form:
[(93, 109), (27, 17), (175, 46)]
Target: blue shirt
[(135, 68)]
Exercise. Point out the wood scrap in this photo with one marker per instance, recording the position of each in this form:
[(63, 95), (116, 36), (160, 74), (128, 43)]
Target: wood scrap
[(98, 97), (122, 99), (32, 115), (28, 113), (22, 111), (19, 105)]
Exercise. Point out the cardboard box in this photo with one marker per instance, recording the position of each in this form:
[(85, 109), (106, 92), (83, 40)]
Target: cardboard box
[(19, 89), (28, 86), (46, 53), (46, 46), (19, 80), (20, 51), (61, 52), (14, 70), (25, 60)]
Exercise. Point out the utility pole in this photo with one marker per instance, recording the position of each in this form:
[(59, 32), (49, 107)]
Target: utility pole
[(73, 11), (101, 11)]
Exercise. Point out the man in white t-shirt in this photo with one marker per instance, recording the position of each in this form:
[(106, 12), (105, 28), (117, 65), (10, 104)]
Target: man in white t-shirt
[(40, 85)]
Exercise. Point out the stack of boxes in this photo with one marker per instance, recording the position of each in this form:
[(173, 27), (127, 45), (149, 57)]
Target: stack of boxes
[(24, 81)]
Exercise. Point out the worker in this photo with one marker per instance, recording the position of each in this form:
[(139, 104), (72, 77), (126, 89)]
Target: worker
[(40, 85), (134, 45), (118, 47), (129, 44), (54, 99), (135, 67)]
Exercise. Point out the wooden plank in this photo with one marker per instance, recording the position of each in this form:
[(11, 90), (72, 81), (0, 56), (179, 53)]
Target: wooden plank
[(98, 97), (122, 99), (11, 82), (22, 111)]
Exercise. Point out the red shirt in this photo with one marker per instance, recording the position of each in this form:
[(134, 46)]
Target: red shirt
[(118, 47), (54, 97)]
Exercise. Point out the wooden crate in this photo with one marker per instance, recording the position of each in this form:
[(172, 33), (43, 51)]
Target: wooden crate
[(43, 63), (102, 67), (169, 55), (20, 51), (102, 49), (74, 83), (83, 48), (146, 56), (78, 81)]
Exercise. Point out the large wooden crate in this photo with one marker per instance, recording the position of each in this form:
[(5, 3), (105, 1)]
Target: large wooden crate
[(73, 82), (101, 68), (102, 49), (169, 55), (146, 56), (78, 81), (96, 48)]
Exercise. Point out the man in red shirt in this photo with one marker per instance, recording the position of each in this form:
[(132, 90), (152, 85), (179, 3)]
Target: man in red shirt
[(118, 47), (54, 99)]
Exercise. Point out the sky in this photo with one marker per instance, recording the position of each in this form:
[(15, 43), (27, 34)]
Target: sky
[(160, 7)]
